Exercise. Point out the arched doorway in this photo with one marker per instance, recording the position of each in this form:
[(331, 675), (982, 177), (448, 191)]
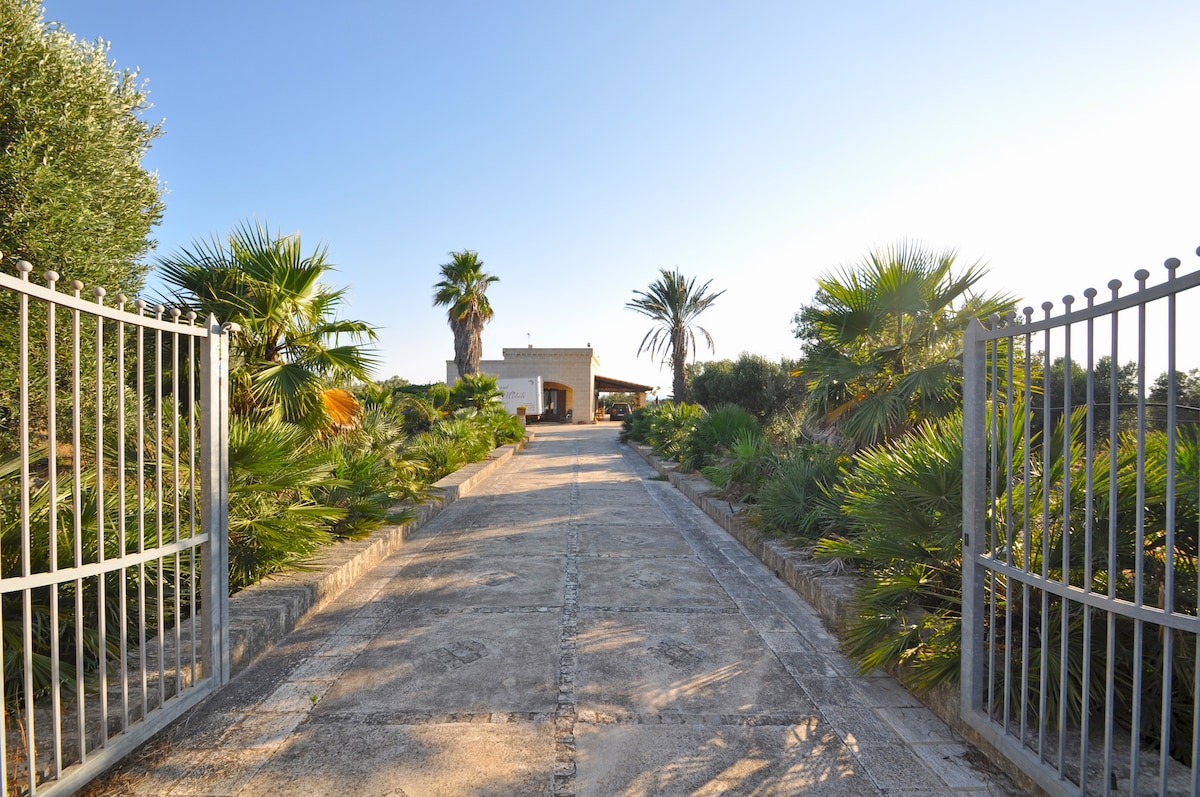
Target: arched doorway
[(557, 401)]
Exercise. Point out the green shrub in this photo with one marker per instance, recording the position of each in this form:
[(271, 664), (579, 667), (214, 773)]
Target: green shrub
[(365, 483), (670, 425), (504, 428), (903, 507), (416, 414), (469, 432), (753, 382), (786, 429), (714, 433), (274, 521), (433, 456), (636, 425), (475, 390), (751, 460), (468, 436), (800, 496)]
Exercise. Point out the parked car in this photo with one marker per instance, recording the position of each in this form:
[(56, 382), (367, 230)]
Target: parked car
[(618, 411)]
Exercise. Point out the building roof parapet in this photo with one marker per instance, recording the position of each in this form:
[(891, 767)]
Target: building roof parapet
[(541, 354)]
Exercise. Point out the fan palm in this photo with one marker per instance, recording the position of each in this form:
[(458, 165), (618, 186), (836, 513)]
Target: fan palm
[(903, 504), (883, 340), (463, 288), (674, 303), (477, 391), (274, 521), (289, 355)]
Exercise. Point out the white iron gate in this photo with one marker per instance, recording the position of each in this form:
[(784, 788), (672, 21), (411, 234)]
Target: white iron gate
[(113, 530), (1081, 592)]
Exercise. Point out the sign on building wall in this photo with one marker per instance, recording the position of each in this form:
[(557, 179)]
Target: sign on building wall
[(522, 392)]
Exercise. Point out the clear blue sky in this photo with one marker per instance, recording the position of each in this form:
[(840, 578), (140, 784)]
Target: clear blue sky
[(580, 147)]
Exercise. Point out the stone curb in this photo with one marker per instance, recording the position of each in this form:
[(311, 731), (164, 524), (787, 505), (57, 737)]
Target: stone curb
[(831, 595), (262, 614)]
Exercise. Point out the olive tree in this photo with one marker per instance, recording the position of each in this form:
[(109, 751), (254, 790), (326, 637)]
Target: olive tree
[(74, 195)]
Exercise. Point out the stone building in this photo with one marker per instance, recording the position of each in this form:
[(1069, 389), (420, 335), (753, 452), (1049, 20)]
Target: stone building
[(571, 386)]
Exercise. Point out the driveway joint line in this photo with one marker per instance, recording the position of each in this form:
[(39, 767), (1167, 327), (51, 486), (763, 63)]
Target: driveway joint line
[(565, 715)]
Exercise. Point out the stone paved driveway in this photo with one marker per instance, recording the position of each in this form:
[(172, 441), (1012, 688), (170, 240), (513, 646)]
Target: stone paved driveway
[(573, 627)]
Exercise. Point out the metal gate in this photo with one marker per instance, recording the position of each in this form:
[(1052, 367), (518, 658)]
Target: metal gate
[(1081, 638), (113, 529)]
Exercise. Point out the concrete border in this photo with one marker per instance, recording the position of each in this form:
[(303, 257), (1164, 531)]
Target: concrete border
[(262, 614), (831, 594)]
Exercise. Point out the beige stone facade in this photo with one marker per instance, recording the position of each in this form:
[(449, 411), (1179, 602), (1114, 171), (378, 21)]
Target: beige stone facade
[(568, 377), (570, 384)]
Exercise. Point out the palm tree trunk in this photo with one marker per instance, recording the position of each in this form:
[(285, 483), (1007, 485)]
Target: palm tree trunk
[(679, 387), (462, 349), (474, 342)]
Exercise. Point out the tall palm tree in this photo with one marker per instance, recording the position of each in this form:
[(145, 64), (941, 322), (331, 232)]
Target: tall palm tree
[(290, 361), (674, 303), (463, 288), (883, 340)]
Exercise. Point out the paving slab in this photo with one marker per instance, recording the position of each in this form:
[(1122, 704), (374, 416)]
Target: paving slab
[(572, 626), (611, 516), (661, 582), (645, 540), (518, 513), (695, 662), (532, 538), (453, 662), (409, 760), (503, 581), (773, 761)]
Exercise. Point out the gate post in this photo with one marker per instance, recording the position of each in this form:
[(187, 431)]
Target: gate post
[(214, 469), (973, 531)]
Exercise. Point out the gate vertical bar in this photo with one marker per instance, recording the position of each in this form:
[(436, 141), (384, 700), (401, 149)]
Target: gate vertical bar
[(1064, 603), (214, 496), (1089, 531), (222, 545), (193, 598), (1009, 525), (122, 477), (1026, 522), (160, 606), (77, 523), (101, 595), (52, 522), (140, 398), (974, 460), (1167, 600), (176, 502), (1047, 469), (1110, 655), (993, 588), (26, 598), (1139, 625)]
